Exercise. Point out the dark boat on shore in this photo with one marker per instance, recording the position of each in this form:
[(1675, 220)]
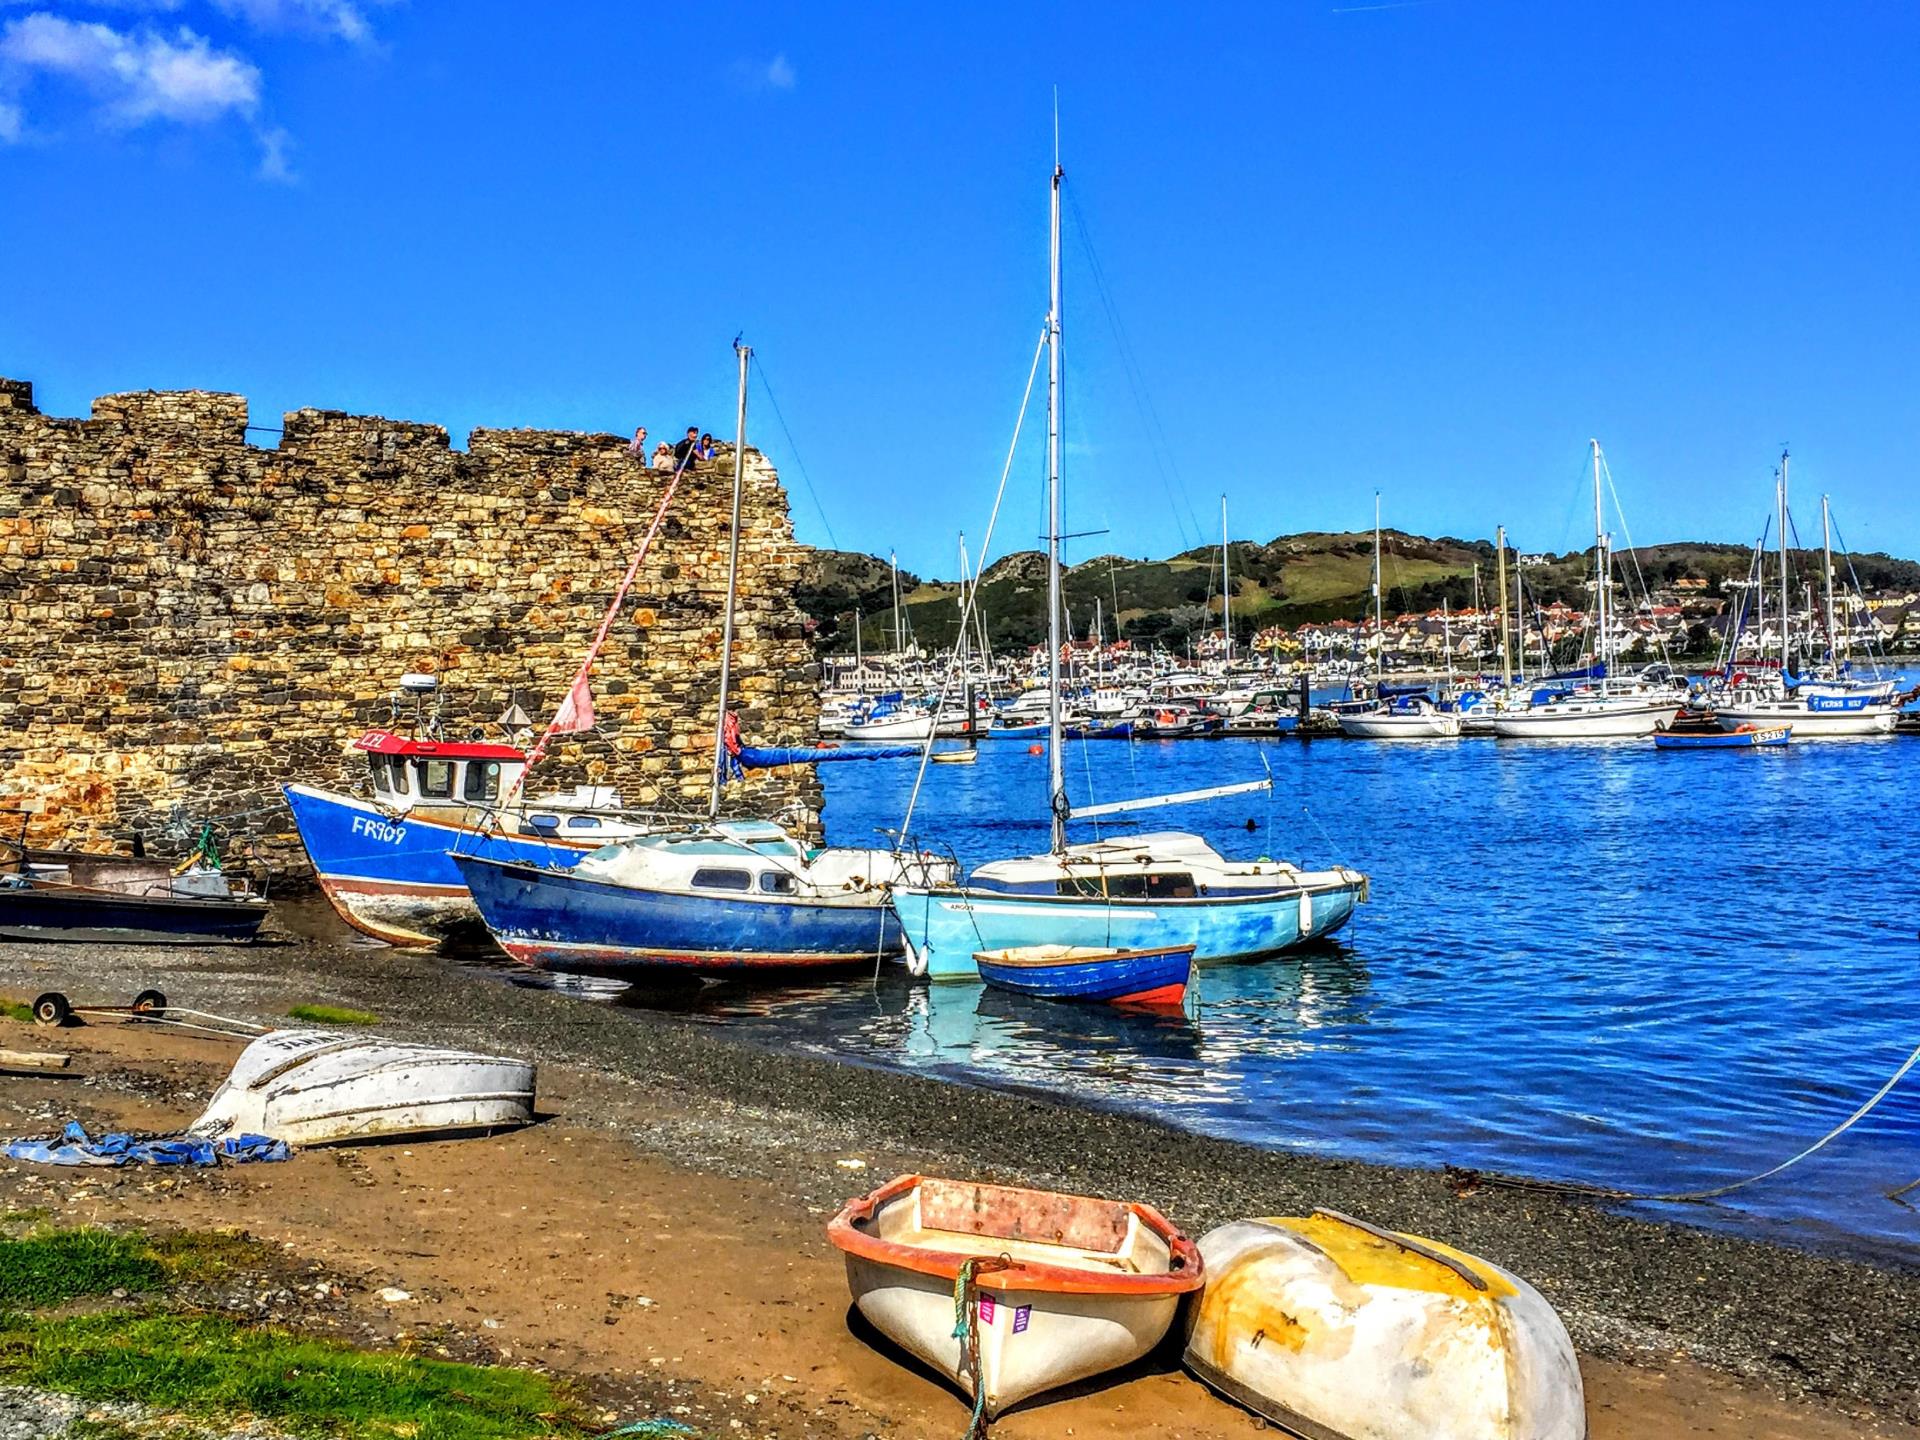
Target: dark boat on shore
[(122, 899)]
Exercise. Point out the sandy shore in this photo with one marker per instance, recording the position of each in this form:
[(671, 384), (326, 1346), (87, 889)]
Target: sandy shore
[(659, 1236)]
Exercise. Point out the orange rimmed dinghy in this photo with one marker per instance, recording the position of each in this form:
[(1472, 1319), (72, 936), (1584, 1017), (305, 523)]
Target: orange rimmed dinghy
[(1011, 1292)]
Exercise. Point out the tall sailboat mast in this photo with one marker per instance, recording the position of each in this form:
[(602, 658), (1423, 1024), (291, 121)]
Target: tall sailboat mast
[(1056, 771), (1602, 568), (1786, 603), (1506, 653), (1826, 550), (1226, 586), (1379, 615), (745, 352)]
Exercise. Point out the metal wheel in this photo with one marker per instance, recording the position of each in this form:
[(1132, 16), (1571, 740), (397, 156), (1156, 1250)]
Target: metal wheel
[(51, 1009)]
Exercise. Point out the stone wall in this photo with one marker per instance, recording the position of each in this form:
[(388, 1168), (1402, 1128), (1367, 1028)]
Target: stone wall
[(188, 620)]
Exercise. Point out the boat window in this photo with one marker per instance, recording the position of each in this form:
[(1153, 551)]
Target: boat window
[(544, 822), (377, 764), (436, 778), (583, 822), (776, 882), (398, 769), (717, 879), (1170, 887), (483, 780)]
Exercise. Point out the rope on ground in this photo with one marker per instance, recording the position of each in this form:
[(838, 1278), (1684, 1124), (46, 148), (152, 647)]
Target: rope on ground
[(1462, 1178)]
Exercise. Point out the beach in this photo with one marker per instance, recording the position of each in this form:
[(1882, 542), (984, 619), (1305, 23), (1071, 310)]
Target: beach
[(659, 1237)]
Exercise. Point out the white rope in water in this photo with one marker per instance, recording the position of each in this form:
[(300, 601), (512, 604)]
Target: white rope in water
[(1606, 1192), (971, 596)]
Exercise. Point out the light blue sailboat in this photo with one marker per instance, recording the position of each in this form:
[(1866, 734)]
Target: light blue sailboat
[(1135, 892)]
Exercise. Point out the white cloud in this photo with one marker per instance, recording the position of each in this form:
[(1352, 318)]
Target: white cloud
[(341, 18), (774, 74), (12, 122), (136, 77), (274, 163)]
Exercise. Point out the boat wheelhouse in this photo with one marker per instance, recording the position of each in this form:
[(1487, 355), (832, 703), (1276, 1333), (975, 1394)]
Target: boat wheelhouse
[(382, 858)]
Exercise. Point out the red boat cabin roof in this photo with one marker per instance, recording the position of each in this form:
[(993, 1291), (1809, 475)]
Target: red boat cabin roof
[(385, 742)]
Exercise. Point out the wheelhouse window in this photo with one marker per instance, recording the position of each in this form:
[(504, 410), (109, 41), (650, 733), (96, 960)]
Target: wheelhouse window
[(436, 779), (777, 882), (483, 781), (713, 878), (399, 769)]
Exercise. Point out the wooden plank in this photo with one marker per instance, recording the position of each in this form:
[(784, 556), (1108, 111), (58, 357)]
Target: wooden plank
[(33, 1060)]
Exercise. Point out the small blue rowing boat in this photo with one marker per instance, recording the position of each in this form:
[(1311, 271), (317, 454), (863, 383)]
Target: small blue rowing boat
[(1085, 972), (1747, 737)]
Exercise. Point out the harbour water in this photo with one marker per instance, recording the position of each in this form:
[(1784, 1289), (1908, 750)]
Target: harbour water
[(1592, 962)]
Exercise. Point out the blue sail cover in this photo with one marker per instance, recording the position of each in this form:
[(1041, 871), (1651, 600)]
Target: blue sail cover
[(754, 757)]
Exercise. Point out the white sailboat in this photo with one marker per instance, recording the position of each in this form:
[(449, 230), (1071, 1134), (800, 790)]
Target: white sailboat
[(1814, 707), (1136, 892), (1394, 717), (1606, 711)]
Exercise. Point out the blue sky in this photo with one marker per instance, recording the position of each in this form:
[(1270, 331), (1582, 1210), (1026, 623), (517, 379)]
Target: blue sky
[(1425, 248)]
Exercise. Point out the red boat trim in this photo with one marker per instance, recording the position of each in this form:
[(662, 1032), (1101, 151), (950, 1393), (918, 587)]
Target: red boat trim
[(385, 742), (1186, 1270)]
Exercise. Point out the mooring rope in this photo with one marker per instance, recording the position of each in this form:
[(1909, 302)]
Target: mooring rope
[(1461, 1175)]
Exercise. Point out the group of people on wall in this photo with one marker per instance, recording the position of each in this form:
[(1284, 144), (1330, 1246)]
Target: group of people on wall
[(693, 446)]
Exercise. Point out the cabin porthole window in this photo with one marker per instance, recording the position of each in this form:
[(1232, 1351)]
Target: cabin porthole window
[(777, 882), (436, 779), (713, 878), (483, 780)]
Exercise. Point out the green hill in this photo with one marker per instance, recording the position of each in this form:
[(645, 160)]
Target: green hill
[(1288, 581)]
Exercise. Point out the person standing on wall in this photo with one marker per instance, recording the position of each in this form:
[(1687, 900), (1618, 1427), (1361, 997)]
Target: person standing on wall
[(637, 447)]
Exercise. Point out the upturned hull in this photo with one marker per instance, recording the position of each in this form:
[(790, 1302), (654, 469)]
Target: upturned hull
[(557, 920), (392, 876), (1344, 1332), (943, 928)]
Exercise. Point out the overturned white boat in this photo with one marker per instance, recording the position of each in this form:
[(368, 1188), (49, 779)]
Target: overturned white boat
[(310, 1087), (1337, 1330), (1047, 1288)]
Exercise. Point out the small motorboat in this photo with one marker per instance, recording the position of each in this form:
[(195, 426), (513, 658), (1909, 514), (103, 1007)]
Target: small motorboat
[(1333, 1328), (955, 757), (1745, 737), (1044, 1289), (1087, 972), (309, 1087), (123, 899)]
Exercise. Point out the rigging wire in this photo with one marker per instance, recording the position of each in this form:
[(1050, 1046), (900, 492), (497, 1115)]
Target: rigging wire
[(1632, 554), (1159, 446), (812, 494), (972, 590)]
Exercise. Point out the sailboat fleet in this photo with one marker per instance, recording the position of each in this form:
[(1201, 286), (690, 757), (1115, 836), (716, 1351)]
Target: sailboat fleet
[(575, 882)]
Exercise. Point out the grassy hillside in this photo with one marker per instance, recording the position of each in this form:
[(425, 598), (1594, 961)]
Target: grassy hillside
[(1288, 581)]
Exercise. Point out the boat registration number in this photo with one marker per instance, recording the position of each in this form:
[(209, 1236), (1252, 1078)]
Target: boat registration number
[(379, 830)]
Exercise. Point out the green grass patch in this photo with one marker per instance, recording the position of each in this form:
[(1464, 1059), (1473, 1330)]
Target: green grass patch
[(16, 1010), (55, 1266), (207, 1366), (332, 1015)]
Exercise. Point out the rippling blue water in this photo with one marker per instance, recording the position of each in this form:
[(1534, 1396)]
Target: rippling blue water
[(1594, 962)]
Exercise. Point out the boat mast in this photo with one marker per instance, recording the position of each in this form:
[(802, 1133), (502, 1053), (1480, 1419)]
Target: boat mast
[(899, 646), (1602, 570), (745, 352), (1446, 639), (1780, 489), (1826, 548), (1226, 587), (1056, 771), (1379, 616), (1506, 654)]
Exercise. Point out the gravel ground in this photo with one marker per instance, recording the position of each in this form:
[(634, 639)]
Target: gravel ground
[(29, 1414), (1805, 1324)]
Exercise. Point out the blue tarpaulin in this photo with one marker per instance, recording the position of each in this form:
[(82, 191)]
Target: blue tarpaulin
[(76, 1147), (754, 757)]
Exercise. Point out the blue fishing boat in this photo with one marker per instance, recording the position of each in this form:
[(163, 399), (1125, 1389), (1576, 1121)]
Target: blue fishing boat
[(1116, 730), (1115, 977), (1162, 891), (383, 859), (1747, 737)]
